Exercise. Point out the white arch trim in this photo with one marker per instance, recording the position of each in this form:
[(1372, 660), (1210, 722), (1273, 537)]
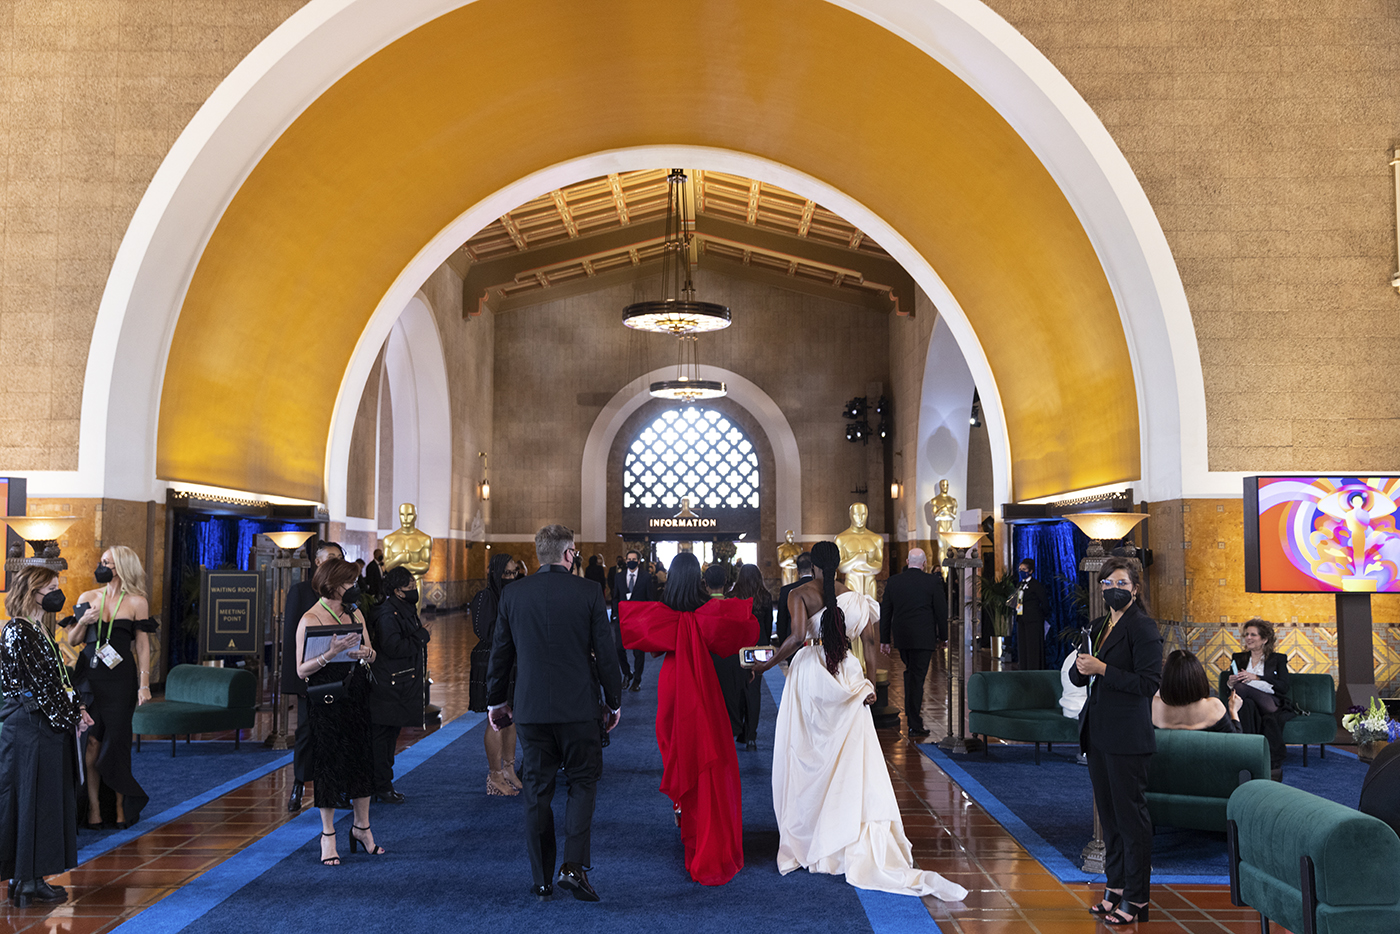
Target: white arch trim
[(943, 429), (327, 38), (593, 477), (416, 368)]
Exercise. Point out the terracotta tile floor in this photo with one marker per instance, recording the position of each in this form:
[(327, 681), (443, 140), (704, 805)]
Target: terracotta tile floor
[(1009, 890)]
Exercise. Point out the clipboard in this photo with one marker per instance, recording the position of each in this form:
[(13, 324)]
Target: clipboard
[(318, 642)]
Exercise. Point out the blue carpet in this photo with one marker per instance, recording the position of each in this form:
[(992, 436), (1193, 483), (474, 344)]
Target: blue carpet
[(1048, 808), (199, 773), (457, 859)]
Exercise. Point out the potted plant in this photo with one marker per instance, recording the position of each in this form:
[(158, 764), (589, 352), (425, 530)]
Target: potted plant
[(1371, 728)]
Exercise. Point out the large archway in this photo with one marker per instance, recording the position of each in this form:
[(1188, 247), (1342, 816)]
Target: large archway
[(962, 152)]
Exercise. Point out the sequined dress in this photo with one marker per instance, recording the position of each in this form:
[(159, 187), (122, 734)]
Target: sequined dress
[(38, 757), (110, 695)]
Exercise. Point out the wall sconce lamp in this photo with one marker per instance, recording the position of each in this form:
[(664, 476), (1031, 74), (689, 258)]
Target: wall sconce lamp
[(896, 488), (484, 487), (42, 534)]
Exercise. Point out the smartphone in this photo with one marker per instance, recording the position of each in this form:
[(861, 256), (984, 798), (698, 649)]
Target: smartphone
[(502, 718), (1234, 667), (80, 609), (756, 654)]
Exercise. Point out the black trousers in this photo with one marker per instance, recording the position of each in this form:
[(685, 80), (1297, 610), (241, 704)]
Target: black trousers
[(1030, 644), (383, 740), (303, 768), (916, 662), (639, 661), (1120, 791), (576, 747), (1269, 724)]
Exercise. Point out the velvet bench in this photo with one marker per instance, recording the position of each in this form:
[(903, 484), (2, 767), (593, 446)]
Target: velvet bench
[(199, 700), (1022, 706), (1317, 694)]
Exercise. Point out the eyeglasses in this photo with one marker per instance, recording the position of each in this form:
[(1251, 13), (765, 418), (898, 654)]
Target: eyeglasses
[(1121, 585)]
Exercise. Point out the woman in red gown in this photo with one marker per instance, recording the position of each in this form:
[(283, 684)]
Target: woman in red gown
[(700, 766)]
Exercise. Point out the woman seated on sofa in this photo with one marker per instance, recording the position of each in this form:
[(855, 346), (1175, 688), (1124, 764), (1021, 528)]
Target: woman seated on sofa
[(1184, 701)]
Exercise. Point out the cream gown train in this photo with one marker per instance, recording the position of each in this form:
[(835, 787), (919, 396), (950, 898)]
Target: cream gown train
[(831, 787)]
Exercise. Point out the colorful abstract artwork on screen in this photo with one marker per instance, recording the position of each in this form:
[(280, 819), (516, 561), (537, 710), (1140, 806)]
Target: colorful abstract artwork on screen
[(1329, 534)]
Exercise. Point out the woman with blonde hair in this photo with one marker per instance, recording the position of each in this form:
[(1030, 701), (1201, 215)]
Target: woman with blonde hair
[(113, 626), (38, 764)]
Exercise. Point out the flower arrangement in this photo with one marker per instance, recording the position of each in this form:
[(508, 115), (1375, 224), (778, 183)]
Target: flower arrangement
[(1371, 724)]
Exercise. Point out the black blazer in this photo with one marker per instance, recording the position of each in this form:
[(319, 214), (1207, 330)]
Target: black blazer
[(300, 599), (552, 624), (1275, 670), (1034, 604), (644, 588), (397, 697), (785, 617), (1117, 718), (914, 604)]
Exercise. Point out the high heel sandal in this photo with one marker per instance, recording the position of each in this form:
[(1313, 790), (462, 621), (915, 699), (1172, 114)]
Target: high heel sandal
[(334, 859), (1134, 913), (372, 850), (1114, 899), (498, 786), (508, 773)]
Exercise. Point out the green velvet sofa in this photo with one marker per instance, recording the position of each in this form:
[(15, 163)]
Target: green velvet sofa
[(199, 700), (1193, 773), (1022, 706), (1312, 865), (1317, 694)]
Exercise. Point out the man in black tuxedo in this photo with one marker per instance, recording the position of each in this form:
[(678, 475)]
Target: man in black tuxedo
[(910, 615), (1030, 607), (804, 574), (551, 626), (633, 582), (301, 598)]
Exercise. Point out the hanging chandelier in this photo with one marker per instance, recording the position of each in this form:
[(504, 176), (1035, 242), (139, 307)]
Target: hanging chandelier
[(688, 386), (677, 312)]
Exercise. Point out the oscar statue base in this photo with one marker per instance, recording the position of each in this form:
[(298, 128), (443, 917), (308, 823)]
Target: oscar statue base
[(885, 716), (1091, 859), (960, 745)]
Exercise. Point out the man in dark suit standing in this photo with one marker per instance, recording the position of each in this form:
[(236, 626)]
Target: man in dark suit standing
[(633, 582), (1030, 607), (551, 626), (910, 615), (804, 574), (301, 598)]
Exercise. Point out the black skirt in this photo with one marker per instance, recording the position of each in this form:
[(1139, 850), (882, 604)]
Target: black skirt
[(340, 739), (38, 800)]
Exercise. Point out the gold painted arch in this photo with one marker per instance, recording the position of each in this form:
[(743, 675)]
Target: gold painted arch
[(476, 99)]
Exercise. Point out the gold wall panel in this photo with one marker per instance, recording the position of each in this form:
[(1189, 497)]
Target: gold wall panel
[(489, 93)]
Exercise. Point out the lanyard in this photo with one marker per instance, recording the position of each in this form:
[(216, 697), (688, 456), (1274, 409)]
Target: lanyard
[(102, 611), (57, 657), (323, 603), (1103, 636)]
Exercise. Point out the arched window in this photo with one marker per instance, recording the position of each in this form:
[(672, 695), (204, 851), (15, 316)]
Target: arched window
[(690, 452)]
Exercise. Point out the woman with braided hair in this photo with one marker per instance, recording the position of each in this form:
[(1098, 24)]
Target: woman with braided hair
[(831, 788)]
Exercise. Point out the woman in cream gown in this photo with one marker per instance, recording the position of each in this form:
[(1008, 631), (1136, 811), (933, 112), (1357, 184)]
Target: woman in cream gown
[(835, 804)]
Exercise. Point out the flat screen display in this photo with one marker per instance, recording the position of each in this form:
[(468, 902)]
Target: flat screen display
[(1332, 534)]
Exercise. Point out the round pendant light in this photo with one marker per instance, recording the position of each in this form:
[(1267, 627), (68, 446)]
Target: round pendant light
[(676, 316), (688, 390)]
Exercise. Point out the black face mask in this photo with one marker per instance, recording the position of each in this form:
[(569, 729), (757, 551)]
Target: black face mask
[(103, 574), (52, 602), (1117, 599), (351, 596), (631, 565), (411, 598)]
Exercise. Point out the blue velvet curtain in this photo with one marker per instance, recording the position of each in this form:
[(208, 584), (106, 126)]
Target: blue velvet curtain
[(1056, 548), (214, 542)]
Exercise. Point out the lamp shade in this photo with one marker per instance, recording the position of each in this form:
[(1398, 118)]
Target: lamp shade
[(960, 539), (1106, 526), (688, 390), (289, 540), (40, 528), (676, 316)]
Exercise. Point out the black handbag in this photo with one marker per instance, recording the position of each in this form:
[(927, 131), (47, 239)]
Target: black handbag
[(332, 692)]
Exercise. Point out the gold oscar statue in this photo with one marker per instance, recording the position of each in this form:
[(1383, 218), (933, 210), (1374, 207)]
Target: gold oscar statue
[(945, 508), (788, 550), (408, 546), (862, 552)]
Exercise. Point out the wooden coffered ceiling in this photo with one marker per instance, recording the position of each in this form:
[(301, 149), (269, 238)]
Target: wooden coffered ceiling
[(612, 228)]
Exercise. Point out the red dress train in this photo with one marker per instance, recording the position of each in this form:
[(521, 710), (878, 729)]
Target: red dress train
[(700, 766)]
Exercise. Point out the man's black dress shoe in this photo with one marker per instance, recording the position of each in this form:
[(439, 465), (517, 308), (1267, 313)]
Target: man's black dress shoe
[(751, 746), (294, 802), (636, 685), (391, 797), (574, 879), (542, 892), (918, 732)]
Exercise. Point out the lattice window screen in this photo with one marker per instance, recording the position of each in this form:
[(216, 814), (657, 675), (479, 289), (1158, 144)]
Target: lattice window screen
[(690, 452)]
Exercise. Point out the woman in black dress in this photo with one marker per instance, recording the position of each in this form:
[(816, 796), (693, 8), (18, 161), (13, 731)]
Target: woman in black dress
[(340, 730), (1185, 701), (38, 755), (749, 586), (500, 745), (115, 619), (1122, 671), (1261, 682), (397, 697)]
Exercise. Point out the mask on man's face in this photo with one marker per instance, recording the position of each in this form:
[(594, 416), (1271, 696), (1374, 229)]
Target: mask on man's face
[(631, 565)]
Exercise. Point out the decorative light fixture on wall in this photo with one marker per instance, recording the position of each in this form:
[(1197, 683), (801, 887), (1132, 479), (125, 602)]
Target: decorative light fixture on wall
[(484, 487), (42, 534), (896, 488), (677, 312)]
